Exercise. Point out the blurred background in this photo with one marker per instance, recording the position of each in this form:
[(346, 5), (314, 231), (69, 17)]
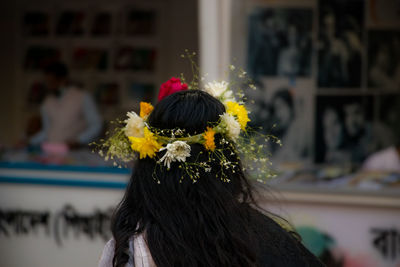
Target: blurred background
[(327, 74)]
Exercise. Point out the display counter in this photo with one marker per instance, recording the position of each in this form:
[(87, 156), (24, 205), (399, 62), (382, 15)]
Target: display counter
[(52, 215)]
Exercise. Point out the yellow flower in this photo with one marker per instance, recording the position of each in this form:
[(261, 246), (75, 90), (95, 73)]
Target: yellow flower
[(209, 143), (147, 146), (145, 109), (239, 111)]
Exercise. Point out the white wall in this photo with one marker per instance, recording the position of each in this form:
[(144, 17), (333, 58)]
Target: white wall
[(38, 248)]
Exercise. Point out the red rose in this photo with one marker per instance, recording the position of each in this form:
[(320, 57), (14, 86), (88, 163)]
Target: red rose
[(172, 86)]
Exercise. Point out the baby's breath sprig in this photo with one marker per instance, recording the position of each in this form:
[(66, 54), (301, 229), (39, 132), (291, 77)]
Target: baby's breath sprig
[(191, 56), (252, 147), (239, 82), (115, 146)]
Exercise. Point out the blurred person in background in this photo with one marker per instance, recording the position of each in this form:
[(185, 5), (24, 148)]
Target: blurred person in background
[(289, 57), (283, 111), (69, 115), (264, 45), (288, 127), (380, 70), (261, 111), (363, 136), (388, 157), (334, 55), (334, 137), (354, 47), (385, 69)]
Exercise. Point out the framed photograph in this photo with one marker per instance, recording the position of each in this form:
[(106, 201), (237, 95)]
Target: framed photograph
[(37, 57), (345, 130), (36, 23), (384, 13), (384, 60), (283, 108), (107, 94), (389, 117), (90, 58), (141, 22), (340, 43), (101, 24), (137, 59), (71, 23), (279, 42)]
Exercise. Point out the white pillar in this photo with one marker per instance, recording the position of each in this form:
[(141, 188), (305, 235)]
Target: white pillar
[(215, 37)]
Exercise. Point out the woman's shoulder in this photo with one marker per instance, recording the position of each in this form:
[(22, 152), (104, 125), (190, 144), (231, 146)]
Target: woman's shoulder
[(280, 247)]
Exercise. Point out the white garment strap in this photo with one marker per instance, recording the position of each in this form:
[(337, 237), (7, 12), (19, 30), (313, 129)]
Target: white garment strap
[(141, 253), (138, 252)]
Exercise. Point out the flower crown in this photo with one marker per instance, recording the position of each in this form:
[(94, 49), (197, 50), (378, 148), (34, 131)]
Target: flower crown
[(135, 137)]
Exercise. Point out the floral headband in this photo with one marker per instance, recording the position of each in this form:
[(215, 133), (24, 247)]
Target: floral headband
[(134, 137)]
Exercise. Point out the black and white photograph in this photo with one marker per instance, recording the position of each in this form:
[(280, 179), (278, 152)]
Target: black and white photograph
[(141, 22), (384, 60), (282, 109), (383, 13), (71, 23), (340, 43), (346, 130), (279, 42), (389, 115)]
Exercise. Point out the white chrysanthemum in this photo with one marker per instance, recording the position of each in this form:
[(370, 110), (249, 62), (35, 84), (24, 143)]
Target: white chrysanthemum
[(219, 90), (134, 125), (176, 151), (232, 125)]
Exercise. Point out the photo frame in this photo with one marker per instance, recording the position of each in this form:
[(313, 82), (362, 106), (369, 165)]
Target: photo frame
[(140, 22), (36, 23), (71, 22), (135, 58), (86, 58), (279, 41), (341, 34), (39, 56)]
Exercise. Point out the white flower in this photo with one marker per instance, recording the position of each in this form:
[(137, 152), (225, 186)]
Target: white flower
[(134, 125), (242, 74), (219, 90), (216, 89), (176, 151), (232, 125)]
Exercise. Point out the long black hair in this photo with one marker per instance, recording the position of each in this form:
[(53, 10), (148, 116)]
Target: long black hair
[(206, 223)]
